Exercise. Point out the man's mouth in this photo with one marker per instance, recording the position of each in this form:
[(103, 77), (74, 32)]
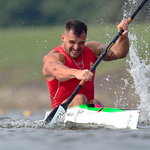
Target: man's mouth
[(74, 52)]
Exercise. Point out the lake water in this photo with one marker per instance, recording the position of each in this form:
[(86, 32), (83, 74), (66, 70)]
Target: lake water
[(18, 132)]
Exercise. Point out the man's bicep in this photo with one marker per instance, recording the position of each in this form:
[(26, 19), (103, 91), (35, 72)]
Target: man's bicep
[(110, 54)]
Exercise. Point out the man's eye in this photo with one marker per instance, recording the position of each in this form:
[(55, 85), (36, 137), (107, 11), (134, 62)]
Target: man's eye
[(82, 43), (71, 42)]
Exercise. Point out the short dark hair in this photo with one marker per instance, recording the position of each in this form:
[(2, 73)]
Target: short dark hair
[(77, 26)]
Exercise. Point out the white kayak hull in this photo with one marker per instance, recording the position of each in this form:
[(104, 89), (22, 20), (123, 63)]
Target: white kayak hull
[(107, 117)]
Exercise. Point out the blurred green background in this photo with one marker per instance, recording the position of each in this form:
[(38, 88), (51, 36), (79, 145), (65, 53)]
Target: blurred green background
[(30, 29), (49, 12)]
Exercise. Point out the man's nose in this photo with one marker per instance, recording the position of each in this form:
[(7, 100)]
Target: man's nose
[(76, 46)]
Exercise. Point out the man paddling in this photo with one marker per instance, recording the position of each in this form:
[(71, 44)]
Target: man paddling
[(69, 63)]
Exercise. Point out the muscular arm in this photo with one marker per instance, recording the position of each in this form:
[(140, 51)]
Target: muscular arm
[(118, 50), (53, 67)]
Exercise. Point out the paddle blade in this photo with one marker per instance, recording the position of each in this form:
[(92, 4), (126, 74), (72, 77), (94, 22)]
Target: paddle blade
[(57, 115)]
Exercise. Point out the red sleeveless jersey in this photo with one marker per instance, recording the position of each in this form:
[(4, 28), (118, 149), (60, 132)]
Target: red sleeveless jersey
[(60, 91)]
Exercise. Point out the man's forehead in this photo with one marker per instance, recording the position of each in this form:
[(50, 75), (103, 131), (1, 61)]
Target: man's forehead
[(69, 31), (72, 32)]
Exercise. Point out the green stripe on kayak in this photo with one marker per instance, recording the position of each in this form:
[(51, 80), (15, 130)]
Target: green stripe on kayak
[(110, 110)]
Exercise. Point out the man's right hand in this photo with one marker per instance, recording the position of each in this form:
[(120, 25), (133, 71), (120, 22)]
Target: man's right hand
[(85, 75)]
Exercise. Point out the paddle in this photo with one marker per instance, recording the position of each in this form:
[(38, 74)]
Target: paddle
[(57, 115)]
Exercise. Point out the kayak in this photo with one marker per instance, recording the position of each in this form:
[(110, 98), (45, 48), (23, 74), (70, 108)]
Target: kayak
[(101, 116)]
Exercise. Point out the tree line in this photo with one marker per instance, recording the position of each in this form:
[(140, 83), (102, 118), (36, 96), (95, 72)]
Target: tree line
[(51, 12)]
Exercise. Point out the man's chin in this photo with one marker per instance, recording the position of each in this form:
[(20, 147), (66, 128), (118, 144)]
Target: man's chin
[(74, 56)]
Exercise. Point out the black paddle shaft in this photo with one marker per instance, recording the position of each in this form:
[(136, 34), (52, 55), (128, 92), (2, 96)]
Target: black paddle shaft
[(105, 52), (55, 112)]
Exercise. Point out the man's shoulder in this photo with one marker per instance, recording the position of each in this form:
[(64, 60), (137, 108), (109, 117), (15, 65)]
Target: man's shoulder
[(55, 53), (89, 46), (56, 49)]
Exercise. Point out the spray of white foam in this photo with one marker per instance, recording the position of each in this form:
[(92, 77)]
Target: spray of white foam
[(140, 72), (139, 67)]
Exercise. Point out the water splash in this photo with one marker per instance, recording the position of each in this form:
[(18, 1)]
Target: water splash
[(139, 67), (140, 72), (6, 122)]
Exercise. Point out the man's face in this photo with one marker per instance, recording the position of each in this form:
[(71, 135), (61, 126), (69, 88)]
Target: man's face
[(73, 44)]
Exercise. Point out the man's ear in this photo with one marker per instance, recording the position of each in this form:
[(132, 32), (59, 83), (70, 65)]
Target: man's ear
[(62, 37)]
